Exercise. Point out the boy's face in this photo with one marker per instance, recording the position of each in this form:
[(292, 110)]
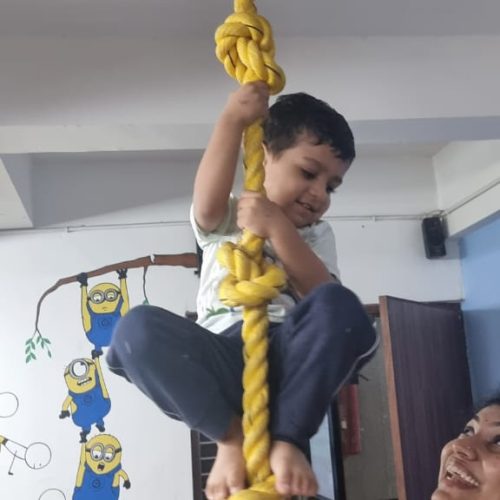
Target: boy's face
[(301, 179)]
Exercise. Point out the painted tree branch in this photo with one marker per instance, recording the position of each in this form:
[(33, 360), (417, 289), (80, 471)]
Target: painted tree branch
[(189, 260)]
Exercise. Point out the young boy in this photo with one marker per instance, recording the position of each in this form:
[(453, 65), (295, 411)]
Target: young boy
[(319, 333)]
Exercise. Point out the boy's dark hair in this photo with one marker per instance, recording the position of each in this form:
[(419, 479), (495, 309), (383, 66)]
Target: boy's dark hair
[(294, 114)]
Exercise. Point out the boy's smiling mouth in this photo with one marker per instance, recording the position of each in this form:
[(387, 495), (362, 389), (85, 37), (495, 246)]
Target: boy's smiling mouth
[(307, 206)]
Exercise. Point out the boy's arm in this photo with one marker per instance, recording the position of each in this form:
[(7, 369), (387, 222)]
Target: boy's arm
[(215, 175), (304, 268), (262, 217)]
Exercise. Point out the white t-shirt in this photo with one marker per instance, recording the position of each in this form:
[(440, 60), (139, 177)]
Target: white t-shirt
[(213, 314)]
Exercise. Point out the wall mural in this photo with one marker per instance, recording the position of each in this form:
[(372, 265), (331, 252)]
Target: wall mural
[(99, 473), (52, 494), (102, 307), (100, 470), (88, 400), (8, 404), (35, 455)]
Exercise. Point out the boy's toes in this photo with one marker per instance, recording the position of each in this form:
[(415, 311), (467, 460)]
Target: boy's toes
[(235, 484), (309, 486), (299, 486), (216, 492), (284, 483)]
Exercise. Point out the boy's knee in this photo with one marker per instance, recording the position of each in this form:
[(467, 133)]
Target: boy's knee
[(334, 295), (131, 331), (340, 307), (130, 346)]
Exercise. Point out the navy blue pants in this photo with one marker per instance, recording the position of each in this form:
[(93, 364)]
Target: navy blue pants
[(194, 375)]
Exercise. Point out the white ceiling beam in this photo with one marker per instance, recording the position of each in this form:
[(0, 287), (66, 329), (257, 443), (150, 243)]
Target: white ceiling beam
[(110, 81), (78, 139)]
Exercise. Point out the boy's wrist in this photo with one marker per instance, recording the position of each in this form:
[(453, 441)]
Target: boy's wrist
[(231, 121), (282, 227)]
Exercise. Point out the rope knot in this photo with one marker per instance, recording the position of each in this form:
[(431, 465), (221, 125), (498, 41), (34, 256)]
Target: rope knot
[(251, 281), (245, 46)]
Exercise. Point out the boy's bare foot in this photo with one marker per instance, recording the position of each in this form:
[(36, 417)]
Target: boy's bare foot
[(293, 473), (228, 472)]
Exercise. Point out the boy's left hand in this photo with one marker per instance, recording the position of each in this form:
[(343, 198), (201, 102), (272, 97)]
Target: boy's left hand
[(257, 214)]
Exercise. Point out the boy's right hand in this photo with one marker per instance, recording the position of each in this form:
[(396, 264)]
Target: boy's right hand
[(249, 103)]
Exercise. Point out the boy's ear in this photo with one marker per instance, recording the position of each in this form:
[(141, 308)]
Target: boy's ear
[(266, 153)]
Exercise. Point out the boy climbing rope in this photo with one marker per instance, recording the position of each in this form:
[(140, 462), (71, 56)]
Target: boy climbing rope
[(319, 334)]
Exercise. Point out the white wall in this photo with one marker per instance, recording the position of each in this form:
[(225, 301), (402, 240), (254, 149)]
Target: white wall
[(384, 254), (388, 258), (468, 183), (156, 452), (383, 181)]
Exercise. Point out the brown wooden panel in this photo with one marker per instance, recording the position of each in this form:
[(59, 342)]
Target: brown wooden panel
[(428, 384)]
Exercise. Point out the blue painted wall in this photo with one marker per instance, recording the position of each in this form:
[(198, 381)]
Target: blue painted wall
[(480, 257)]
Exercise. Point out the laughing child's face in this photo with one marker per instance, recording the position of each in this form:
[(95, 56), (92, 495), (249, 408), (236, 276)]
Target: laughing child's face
[(301, 179)]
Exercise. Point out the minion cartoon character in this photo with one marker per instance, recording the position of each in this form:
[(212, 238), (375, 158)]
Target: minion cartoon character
[(88, 398), (100, 470), (102, 307)]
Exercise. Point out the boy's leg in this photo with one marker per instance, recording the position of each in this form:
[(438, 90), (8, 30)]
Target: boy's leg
[(191, 374), (324, 340)]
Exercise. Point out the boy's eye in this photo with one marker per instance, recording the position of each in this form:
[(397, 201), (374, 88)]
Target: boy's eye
[(496, 441), (307, 174), (330, 189)]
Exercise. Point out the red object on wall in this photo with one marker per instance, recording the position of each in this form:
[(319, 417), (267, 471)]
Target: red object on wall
[(350, 428)]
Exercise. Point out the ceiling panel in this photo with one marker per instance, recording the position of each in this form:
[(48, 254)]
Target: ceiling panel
[(174, 18)]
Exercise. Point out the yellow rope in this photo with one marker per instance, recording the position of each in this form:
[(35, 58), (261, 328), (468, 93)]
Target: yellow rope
[(245, 46)]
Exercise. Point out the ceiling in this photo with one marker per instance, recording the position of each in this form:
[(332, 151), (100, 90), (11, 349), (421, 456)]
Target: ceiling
[(195, 18), (23, 177)]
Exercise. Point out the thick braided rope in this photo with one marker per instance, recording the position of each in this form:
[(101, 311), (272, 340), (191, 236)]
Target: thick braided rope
[(245, 46)]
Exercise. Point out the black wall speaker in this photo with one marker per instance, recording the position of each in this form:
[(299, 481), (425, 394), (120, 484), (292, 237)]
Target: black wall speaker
[(434, 237)]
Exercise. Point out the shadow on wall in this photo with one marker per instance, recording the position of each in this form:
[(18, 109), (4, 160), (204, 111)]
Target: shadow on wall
[(68, 187)]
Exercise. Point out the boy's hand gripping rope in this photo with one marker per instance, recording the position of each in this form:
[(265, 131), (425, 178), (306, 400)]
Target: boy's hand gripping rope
[(245, 46)]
